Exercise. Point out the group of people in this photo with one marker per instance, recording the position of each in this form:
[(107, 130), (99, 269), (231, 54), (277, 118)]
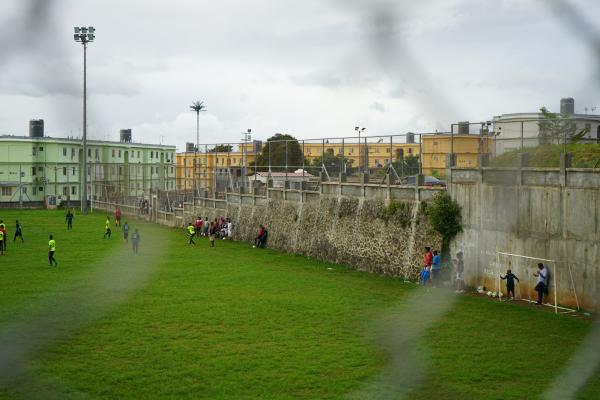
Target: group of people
[(219, 228), (4, 235), (135, 236), (542, 275), (432, 267)]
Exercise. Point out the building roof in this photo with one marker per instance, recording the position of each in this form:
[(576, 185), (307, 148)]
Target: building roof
[(283, 174), (78, 141)]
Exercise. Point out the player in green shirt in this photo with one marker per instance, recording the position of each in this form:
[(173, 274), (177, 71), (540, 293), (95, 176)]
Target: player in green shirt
[(51, 250), (107, 226), (192, 232), (1, 243)]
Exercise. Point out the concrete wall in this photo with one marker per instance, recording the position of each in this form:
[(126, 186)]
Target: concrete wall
[(545, 213)]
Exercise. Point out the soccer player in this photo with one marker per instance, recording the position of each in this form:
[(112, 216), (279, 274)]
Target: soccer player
[(510, 284), (542, 282), (69, 218), (436, 266), (1, 244), (229, 229), (118, 216), (126, 231), (191, 231), (107, 226), (51, 250), (18, 231), (135, 241), (4, 235)]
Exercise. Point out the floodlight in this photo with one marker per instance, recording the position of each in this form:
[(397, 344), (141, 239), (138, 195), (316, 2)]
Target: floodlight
[(90, 37), (91, 29), (83, 29), (76, 37), (76, 29)]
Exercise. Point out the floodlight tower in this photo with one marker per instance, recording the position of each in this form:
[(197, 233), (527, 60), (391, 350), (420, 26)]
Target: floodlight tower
[(84, 35)]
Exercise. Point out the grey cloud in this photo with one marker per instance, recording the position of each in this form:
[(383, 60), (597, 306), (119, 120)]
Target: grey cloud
[(377, 106), (328, 79)]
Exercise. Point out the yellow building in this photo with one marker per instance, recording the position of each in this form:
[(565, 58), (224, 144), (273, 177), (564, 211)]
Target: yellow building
[(466, 147), (433, 155), (207, 165)]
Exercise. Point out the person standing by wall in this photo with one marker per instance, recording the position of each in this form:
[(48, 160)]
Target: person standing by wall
[(436, 266), (510, 284), (460, 269), (542, 282), (427, 261)]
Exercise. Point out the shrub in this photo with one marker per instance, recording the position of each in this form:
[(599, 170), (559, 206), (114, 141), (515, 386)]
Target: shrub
[(398, 212), (444, 216)]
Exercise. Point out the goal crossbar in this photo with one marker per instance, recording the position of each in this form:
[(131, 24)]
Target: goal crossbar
[(553, 262)]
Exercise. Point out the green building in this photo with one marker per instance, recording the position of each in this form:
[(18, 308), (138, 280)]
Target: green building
[(48, 170)]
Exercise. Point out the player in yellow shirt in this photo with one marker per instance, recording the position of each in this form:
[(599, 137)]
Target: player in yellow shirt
[(192, 232), (107, 226), (51, 250)]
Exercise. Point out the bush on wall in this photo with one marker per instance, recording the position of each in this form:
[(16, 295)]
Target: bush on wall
[(444, 216)]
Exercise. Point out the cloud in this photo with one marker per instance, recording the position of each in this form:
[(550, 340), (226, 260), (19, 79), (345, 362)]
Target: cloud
[(376, 106)]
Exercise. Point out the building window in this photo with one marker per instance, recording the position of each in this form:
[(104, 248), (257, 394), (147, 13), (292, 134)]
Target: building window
[(6, 191), (32, 170), (34, 190), (65, 190), (119, 153), (409, 150), (34, 151), (89, 152), (64, 151), (120, 170), (64, 171), (73, 172), (96, 151), (41, 148), (23, 190), (40, 189), (113, 152), (73, 189), (138, 156), (151, 154)]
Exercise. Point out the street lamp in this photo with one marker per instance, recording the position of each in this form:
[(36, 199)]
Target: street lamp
[(84, 35), (359, 130), (246, 138)]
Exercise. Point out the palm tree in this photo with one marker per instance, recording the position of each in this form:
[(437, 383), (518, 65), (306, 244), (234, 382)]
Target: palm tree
[(198, 106)]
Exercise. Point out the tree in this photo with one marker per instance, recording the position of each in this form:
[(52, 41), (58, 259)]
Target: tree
[(559, 127), (279, 151), (445, 217), (221, 148), (332, 162), (405, 166)]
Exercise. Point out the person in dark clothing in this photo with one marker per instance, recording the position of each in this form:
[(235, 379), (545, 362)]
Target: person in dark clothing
[(18, 231), (510, 284), (69, 219)]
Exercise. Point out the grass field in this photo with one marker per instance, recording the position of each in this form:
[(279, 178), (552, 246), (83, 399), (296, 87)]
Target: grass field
[(232, 322)]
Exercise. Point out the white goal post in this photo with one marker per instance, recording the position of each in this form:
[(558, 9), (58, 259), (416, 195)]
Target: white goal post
[(554, 278)]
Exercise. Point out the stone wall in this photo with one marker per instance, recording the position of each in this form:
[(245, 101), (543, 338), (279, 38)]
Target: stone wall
[(341, 229), (545, 213)]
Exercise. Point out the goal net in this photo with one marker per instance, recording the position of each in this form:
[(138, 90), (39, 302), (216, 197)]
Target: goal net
[(560, 279)]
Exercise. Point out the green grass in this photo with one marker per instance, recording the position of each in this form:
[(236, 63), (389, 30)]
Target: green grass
[(585, 155), (234, 322)]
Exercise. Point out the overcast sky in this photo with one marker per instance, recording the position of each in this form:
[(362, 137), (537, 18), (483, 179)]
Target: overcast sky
[(310, 68)]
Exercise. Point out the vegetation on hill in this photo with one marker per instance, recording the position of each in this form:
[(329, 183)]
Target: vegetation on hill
[(548, 155)]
